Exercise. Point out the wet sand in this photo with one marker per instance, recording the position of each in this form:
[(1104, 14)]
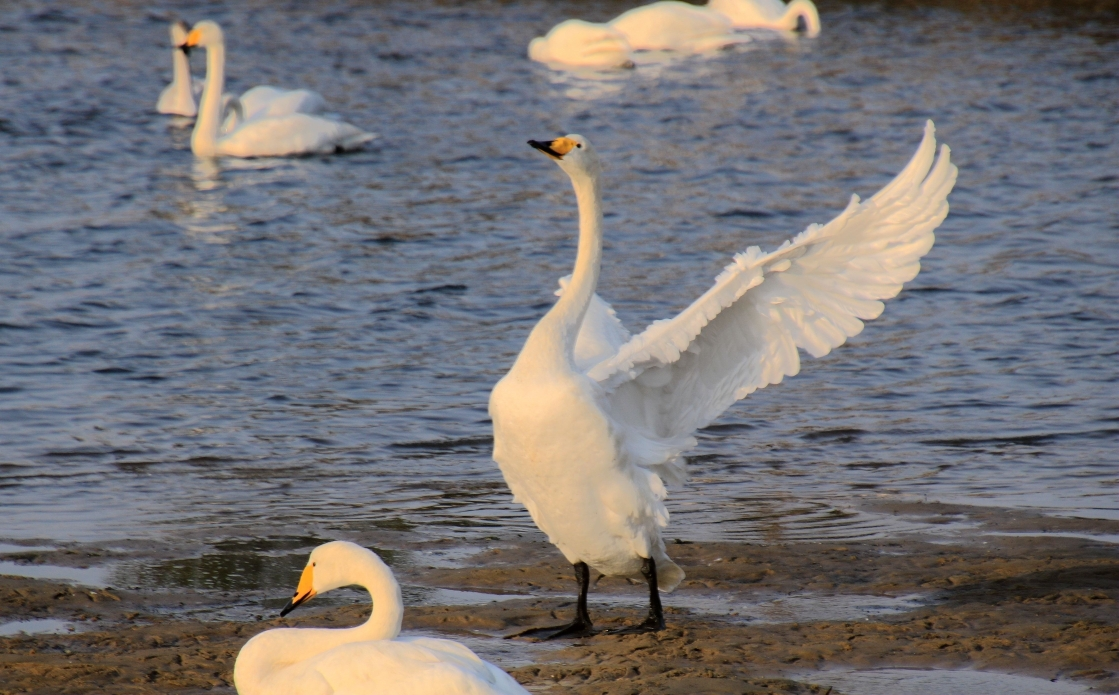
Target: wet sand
[(749, 618)]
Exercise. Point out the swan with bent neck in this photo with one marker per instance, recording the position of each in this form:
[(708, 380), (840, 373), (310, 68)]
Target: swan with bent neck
[(769, 14), (263, 135), (370, 659), (590, 422)]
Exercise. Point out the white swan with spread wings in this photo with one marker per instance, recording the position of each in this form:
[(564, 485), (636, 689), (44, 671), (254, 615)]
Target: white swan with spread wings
[(590, 422)]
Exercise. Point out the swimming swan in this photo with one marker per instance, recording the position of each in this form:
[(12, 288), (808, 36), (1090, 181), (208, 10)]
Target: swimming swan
[(590, 421), (177, 98), (582, 44), (180, 97), (676, 26), (258, 135), (769, 14), (369, 659)]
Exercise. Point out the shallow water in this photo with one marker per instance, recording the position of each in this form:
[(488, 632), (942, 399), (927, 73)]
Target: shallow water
[(283, 351), (889, 681), (41, 626)]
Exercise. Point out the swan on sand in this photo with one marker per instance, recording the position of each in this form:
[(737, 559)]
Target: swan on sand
[(262, 134), (591, 422), (370, 659)]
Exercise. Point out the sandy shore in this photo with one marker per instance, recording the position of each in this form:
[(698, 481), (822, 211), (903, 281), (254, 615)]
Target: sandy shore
[(748, 619)]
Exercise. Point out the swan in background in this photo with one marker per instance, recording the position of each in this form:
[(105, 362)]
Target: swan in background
[(582, 44), (769, 14), (370, 659), (590, 422), (180, 97), (177, 98), (258, 135), (670, 25)]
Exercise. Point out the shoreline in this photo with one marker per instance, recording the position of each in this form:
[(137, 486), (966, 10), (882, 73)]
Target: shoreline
[(1015, 593)]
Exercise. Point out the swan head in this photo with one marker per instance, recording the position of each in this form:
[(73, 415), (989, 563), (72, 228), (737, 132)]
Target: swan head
[(572, 152), (331, 566), (179, 31), (205, 34)]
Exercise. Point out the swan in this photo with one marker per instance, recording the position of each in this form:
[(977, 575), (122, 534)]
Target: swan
[(670, 25), (180, 97), (769, 14), (370, 659), (259, 135), (582, 44), (177, 98), (590, 422)]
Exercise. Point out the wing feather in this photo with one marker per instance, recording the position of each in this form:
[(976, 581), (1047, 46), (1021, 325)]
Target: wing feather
[(745, 333)]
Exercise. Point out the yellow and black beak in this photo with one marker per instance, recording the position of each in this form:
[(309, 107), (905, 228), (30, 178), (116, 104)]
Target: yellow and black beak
[(555, 149), (192, 40), (304, 592)]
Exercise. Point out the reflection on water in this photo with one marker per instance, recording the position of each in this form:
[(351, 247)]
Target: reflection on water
[(193, 352)]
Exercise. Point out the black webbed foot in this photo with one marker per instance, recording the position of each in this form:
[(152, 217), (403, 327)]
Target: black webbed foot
[(580, 627), (655, 620)]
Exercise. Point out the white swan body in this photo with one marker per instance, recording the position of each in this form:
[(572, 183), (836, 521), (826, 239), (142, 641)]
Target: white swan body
[(271, 101), (370, 659), (177, 98), (590, 421), (670, 25), (582, 44), (769, 14), (258, 135)]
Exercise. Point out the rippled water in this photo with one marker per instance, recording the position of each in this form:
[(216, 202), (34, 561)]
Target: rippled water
[(304, 348)]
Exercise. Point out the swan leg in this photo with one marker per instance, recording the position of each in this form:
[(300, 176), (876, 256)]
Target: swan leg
[(581, 626), (654, 622)]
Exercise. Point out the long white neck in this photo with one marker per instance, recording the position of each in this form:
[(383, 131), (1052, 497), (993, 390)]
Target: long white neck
[(203, 141), (552, 342), (260, 664), (802, 8), (180, 76)]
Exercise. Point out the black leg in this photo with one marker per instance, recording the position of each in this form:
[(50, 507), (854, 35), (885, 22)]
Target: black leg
[(581, 626), (654, 622)]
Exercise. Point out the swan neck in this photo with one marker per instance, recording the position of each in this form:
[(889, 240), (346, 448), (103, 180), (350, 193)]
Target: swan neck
[(388, 605), (180, 75), (203, 141), (263, 659), (569, 311), (802, 8)]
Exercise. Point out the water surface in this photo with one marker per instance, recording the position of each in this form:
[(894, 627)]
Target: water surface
[(202, 354)]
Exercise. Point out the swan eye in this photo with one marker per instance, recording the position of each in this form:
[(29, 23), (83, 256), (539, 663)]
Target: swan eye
[(312, 564), (579, 145)]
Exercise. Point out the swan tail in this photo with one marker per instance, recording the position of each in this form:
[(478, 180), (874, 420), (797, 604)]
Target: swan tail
[(669, 574), (803, 9), (354, 141)]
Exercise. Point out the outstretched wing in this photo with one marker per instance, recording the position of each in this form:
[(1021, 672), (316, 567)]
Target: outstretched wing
[(812, 293)]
